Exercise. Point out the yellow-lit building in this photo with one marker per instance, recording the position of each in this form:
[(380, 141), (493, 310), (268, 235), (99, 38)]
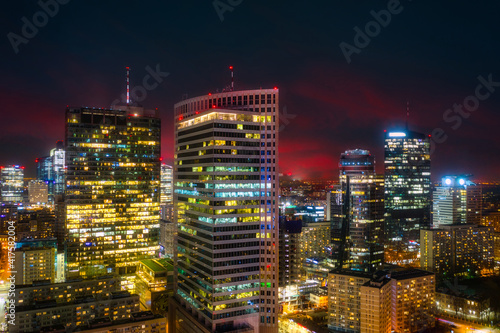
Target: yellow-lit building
[(399, 300), (472, 308), (112, 197), (376, 297), (313, 239), (413, 297), (344, 304), (457, 251), (153, 278), (67, 292), (35, 264), (35, 317), (144, 322)]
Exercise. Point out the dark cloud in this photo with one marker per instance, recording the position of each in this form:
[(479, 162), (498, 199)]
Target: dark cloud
[(430, 54)]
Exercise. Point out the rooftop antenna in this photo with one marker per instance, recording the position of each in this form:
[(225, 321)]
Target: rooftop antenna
[(128, 85), (232, 78), (407, 113)]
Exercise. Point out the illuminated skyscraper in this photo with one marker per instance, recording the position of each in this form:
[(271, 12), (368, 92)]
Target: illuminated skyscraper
[(226, 197), (359, 222), (166, 184), (45, 173), (166, 196), (52, 170), (407, 190), (12, 183), (449, 201), (113, 194), (59, 167)]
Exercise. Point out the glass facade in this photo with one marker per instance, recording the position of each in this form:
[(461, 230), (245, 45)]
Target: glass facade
[(113, 189), (407, 191), (166, 184), (226, 197), (12, 183), (358, 218)]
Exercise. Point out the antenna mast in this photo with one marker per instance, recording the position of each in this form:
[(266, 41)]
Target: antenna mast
[(232, 78), (407, 113), (128, 85)]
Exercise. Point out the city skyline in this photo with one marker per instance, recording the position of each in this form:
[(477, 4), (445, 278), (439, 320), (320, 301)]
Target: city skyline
[(422, 65)]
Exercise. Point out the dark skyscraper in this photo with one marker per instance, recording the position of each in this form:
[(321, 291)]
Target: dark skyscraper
[(226, 197), (112, 200), (407, 191), (359, 219)]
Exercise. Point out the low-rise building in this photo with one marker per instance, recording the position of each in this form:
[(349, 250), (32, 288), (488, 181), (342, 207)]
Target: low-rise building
[(461, 251), (143, 322), (34, 317), (457, 303), (401, 300), (67, 292), (35, 264), (154, 277)]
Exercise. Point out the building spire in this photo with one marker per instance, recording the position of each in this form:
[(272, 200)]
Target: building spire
[(407, 113), (232, 78), (128, 85)]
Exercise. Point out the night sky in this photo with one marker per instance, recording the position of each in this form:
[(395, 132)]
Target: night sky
[(430, 54)]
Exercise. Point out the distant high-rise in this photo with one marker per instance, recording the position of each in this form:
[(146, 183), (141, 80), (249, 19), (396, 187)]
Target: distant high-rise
[(58, 156), (290, 260), (166, 196), (226, 197), (356, 162), (52, 170), (359, 219), (12, 183), (166, 184), (407, 190), (113, 189), (449, 201), (38, 192)]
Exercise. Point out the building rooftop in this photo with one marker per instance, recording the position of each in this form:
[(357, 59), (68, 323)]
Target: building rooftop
[(158, 265), (410, 274)]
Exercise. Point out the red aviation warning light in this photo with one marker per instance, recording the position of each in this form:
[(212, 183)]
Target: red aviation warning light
[(128, 85), (232, 77)]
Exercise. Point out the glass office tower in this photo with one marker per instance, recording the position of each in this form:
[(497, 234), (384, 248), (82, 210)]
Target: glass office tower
[(113, 189), (226, 197), (407, 191), (166, 184), (359, 221), (12, 183)]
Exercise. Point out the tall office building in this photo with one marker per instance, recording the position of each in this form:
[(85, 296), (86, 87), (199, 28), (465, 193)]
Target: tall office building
[(359, 219), (226, 197), (407, 190), (113, 189), (166, 193), (12, 183), (449, 201), (58, 156), (52, 170), (166, 184)]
